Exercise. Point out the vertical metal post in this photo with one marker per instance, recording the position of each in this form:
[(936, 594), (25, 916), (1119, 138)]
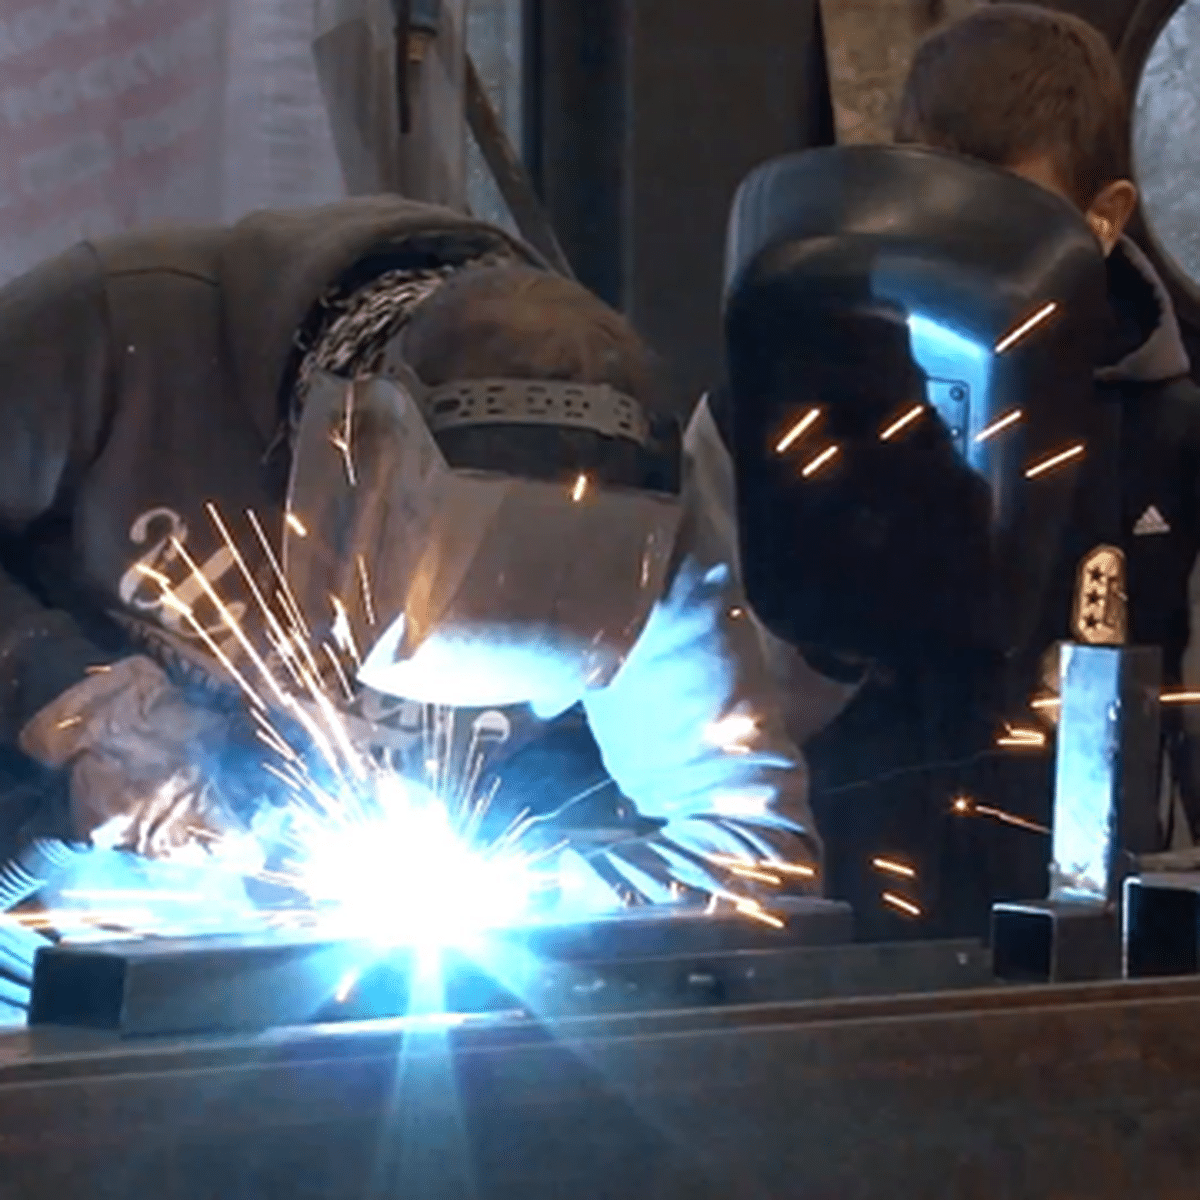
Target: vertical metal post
[(1107, 776), (1105, 817)]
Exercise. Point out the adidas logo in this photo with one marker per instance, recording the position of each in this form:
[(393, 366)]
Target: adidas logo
[(1150, 522)]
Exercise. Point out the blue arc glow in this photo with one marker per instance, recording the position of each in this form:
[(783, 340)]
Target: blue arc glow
[(406, 873)]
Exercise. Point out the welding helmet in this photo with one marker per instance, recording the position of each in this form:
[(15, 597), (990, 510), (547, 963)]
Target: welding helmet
[(911, 337), (456, 579)]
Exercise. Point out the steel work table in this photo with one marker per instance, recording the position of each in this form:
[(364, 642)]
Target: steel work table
[(1063, 1092)]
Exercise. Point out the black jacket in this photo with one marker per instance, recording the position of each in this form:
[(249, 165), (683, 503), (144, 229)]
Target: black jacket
[(870, 748)]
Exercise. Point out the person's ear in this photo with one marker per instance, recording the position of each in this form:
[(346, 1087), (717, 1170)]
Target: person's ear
[(1111, 211)]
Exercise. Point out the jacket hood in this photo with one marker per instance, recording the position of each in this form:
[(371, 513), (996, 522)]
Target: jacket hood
[(275, 266), (1145, 345)]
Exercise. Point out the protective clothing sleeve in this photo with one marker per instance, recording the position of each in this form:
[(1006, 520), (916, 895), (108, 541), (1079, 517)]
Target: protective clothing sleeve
[(137, 751), (53, 400), (691, 728)]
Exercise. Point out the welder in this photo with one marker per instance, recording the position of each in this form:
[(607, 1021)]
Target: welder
[(520, 539), (922, 470), (876, 575)]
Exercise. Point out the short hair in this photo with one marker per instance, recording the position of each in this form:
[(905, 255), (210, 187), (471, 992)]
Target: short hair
[(1010, 82), (517, 322)]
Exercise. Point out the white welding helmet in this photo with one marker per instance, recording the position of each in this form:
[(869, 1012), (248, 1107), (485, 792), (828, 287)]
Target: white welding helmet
[(475, 587)]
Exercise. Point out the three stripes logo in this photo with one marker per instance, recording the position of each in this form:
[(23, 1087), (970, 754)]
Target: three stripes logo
[(1150, 523)]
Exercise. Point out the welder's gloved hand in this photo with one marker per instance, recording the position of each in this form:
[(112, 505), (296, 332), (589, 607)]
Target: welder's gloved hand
[(689, 862), (134, 747)]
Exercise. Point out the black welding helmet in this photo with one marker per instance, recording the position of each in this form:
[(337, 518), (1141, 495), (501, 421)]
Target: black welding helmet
[(911, 337)]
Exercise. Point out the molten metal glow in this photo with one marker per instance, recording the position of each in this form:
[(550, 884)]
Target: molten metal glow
[(402, 872), (580, 488)]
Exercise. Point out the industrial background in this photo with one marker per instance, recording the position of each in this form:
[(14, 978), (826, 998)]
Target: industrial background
[(635, 120), (721, 1059)]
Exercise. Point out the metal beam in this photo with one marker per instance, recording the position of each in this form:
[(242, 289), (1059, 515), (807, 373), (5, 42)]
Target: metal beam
[(216, 984), (1033, 1092)]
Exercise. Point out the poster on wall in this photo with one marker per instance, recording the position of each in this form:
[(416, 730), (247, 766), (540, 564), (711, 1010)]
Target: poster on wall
[(112, 117)]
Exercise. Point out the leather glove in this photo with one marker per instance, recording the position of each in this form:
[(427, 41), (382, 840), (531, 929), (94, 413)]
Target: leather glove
[(136, 751), (690, 861)]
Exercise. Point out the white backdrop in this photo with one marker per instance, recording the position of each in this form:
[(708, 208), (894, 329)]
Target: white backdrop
[(116, 114)]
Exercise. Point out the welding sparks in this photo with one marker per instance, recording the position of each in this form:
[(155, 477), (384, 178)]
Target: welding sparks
[(797, 869), (296, 525), (580, 488), (998, 426), (964, 806), (342, 441), (756, 875), (797, 431), (1051, 703), (1026, 327), (755, 911), (1180, 698), (889, 867), (763, 865), (357, 848), (1032, 738), (817, 463), (1057, 460), (896, 426), (364, 583), (901, 904)]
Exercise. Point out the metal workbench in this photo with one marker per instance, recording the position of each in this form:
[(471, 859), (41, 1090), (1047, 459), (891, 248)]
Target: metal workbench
[(1087, 1091)]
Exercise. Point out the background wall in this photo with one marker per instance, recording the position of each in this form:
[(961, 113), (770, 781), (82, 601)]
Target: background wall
[(870, 44)]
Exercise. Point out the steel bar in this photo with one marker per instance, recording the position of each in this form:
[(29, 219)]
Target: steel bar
[(1043, 1092), (206, 991), (509, 173), (205, 985), (1048, 941), (1160, 931), (1107, 770)]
